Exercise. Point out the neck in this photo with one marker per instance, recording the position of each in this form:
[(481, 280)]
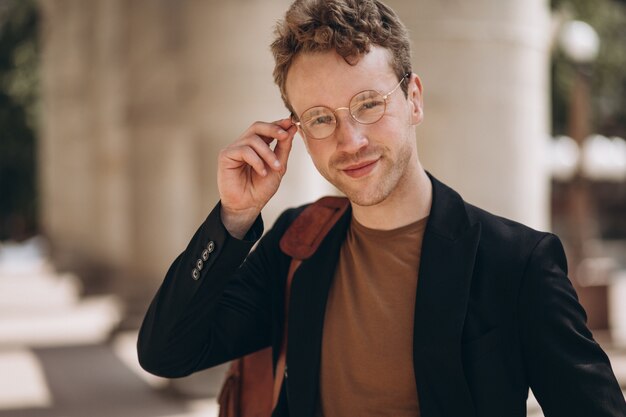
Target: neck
[(408, 203)]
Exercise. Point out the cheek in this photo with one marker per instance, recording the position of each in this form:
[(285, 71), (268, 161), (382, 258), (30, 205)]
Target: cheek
[(313, 148), (389, 127), (306, 143), (320, 152), (400, 114)]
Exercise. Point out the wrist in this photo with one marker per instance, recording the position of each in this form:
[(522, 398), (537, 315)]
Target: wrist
[(238, 222)]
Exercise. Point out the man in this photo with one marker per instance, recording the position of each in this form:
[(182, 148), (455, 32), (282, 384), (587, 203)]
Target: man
[(416, 303)]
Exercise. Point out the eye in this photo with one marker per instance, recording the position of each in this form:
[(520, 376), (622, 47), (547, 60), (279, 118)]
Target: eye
[(371, 104), (321, 120), (368, 110), (366, 102), (319, 117)]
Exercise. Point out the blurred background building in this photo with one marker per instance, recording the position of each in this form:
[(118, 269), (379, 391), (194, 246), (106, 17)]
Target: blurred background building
[(112, 113)]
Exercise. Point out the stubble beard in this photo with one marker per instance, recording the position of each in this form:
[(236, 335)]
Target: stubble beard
[(370, 191)]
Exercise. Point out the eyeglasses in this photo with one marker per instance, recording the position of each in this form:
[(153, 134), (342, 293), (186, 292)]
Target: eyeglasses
[(366, 107)]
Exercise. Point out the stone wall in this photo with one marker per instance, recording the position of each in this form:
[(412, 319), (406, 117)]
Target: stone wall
[(140, 95), (485, 69)]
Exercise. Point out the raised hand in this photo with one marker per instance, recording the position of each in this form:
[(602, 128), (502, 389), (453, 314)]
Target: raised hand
[(249, 172)]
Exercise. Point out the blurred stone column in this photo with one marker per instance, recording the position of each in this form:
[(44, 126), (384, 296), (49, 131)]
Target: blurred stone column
[(83, 144), (485, 66), (162, 165), (112, 152), (65, 146)]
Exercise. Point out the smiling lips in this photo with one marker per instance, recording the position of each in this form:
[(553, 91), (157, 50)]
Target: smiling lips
[(361, 169)]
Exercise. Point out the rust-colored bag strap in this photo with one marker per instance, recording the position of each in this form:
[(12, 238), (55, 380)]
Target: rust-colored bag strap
[(245, 392), (307, 231), (300, 241)]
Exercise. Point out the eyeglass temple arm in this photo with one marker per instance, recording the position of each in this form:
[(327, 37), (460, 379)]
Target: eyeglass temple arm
[(404, 77), (294, 122)]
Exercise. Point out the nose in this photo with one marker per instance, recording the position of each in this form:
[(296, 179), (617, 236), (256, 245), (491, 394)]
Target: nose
[(349, 134)]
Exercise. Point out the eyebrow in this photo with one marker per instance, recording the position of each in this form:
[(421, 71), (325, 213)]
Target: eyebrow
[(366, 94)]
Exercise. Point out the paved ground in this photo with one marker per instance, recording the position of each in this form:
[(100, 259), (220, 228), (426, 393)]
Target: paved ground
[(58, 357), (87, 381), (102, 381)]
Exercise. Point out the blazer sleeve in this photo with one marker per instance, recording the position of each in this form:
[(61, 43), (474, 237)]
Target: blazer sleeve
[(569, 373), (209, 313)]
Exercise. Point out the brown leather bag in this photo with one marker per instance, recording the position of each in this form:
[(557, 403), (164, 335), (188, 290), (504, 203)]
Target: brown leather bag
[(247, 389)]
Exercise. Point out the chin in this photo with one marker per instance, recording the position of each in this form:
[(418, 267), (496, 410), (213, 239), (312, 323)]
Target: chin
[(365, 198), (368, 191)]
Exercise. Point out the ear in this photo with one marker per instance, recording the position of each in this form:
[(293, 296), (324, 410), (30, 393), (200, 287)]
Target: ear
[(415, 98)]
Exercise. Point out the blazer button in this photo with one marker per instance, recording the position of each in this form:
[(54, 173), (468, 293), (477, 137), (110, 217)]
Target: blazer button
[(195, 274), (199, 264), (211, 246), (205, 255)]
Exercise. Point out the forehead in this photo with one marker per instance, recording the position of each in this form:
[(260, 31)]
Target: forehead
[(325, 78)]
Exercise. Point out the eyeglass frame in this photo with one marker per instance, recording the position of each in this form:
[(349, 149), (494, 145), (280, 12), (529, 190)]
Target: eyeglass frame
[(384, 96)]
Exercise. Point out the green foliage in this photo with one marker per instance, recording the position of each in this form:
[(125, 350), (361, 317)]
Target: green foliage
[(18, 117), (608, 73)]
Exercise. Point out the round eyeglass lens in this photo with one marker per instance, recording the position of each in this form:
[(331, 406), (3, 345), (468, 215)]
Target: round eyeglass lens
[(367, 107), (319, 122)]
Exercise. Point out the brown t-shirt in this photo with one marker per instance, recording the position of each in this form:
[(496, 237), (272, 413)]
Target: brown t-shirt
[(367, 347)]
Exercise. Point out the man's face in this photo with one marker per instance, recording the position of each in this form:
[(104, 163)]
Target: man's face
[(369, 163)]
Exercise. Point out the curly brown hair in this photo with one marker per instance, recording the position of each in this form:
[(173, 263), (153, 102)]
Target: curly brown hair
[(349, 27)]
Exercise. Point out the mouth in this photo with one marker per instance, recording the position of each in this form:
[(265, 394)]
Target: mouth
[(361, 169)]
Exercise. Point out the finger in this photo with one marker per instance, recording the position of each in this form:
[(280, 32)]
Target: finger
[(262, 148), (268, 131), (290, 126), (283, 148), (285, 124), (246, 155)]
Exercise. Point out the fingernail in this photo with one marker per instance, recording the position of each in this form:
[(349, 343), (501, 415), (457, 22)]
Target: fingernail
[(277, 163), (281, 132), (264, 172)]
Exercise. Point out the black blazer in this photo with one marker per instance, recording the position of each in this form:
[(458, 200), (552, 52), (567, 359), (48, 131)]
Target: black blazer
[(495, 314)]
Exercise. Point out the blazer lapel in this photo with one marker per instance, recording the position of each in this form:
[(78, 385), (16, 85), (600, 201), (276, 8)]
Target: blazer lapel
[(307, 307), (446, 267)]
